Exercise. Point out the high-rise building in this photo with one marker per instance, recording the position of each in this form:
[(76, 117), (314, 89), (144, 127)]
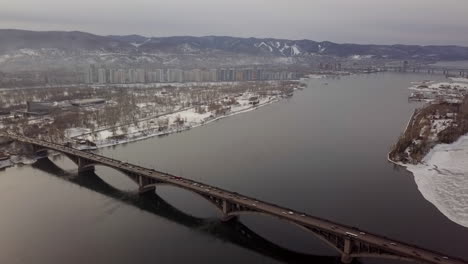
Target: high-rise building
[(140, 76), (91, 74), (102, 76), (213, 76), (231, 74), (220, 75), (196, 75), (174, 75), (131, 76), (170, 75), (160, 75), (239, 76), (121, 76)]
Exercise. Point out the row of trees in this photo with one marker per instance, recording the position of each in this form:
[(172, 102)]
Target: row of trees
[(122, 107)]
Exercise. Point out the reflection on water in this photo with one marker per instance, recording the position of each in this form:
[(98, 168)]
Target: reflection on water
[(233, 231), (323, 152)]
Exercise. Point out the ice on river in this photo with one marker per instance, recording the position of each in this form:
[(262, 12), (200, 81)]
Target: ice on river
[(442, 178)]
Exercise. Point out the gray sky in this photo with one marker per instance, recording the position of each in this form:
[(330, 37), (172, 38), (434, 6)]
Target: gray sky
[(353, 21)]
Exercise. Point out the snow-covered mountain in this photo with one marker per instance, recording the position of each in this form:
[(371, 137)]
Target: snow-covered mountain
[(292, 48), (20, 48)]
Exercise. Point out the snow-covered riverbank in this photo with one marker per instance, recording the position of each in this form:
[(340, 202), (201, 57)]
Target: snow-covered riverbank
[(450, 91), (150, 128), (440, 170)]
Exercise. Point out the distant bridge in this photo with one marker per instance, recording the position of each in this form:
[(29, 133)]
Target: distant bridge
[(348, 241), (449, 71)]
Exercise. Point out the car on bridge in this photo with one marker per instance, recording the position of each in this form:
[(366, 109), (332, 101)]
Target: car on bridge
[(351, 234)]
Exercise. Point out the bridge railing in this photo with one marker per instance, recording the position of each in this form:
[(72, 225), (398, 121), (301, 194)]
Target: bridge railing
[(262, 206)]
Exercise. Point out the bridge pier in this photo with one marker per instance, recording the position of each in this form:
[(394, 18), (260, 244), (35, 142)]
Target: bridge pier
[(39, 152), (146, 190), (227, 207), (346, 259), (82, 166), (346, 256), (143, 187)]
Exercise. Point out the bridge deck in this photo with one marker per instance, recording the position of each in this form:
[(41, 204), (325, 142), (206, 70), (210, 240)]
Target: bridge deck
[(300, 218)]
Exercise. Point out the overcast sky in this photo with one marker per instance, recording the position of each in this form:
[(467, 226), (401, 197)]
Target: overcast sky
[(353, 21)]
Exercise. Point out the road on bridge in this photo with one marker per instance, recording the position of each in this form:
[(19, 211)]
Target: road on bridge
[(404, 250)]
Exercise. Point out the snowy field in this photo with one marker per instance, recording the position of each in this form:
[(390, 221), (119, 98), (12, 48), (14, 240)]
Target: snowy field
[(440, 85), (442, 175), (150, 127), (442, 178), (459, 79), (428, 91)]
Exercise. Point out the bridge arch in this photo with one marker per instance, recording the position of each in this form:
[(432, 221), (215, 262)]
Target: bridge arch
[(85, 165), (38, 150), (216, 202), (92, 165), (382, 254), (319, 236)]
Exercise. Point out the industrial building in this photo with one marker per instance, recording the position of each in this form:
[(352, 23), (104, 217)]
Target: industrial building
[(88, 102), (40, 107)]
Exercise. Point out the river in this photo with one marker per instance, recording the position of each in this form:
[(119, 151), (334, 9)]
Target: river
[(323, 152)]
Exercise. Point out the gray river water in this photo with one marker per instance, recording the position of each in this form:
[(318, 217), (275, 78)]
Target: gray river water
[(322, 152)]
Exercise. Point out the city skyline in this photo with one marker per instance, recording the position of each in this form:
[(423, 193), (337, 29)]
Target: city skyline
[(104, 75)]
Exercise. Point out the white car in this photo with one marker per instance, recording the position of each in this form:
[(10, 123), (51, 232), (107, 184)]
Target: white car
[(351, 234)]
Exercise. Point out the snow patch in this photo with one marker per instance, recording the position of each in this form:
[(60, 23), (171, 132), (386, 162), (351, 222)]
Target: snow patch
[(187, 48), (137, 45), (295, 50), (463, 80), (264, 44), (321, 49), (360, 57), (73, 132), (29, 52), (143, 105), (286, 46)]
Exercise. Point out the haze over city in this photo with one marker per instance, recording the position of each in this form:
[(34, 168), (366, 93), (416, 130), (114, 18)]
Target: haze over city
[(242, 131), (361, 21)]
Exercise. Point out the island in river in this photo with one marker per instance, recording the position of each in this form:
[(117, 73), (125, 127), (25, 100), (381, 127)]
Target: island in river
[(434, 147)]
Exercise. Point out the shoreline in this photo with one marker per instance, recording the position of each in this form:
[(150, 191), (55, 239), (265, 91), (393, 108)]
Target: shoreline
[(28, 161), (186, 128), (439, 166), (442, 179), (178, 119), (404, 131)]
